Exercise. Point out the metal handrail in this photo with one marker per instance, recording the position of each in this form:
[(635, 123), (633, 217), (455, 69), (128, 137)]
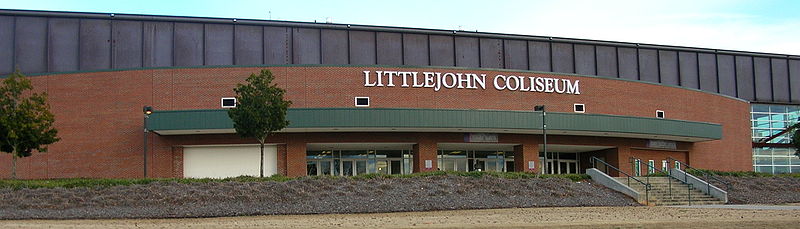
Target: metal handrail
[(656, 169), (706, 175), (594, 159)]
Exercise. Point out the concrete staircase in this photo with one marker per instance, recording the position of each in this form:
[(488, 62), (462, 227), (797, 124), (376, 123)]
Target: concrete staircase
[(660, 191)]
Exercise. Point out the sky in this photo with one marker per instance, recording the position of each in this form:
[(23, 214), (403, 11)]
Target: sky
[(769, 26)]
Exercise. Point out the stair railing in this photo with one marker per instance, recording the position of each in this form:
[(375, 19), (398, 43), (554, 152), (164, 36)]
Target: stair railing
[(594, 160), (705, 174), (634, 160)]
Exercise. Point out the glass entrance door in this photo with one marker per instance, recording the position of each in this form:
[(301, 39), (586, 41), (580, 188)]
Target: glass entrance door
[(353, 167), (560, 163)]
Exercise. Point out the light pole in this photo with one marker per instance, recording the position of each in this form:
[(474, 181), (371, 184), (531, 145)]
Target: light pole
[(545, 165), (147, 110)]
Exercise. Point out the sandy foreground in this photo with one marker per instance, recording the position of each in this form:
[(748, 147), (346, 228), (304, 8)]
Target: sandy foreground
[(567, 217)]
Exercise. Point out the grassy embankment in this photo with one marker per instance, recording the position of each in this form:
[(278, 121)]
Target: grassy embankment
[(98, 182)]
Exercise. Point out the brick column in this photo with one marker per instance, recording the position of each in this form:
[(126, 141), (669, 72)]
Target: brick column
[(177, 161), (523, 155), (281, 150), (621, 160), (424, 150), (295, 155)]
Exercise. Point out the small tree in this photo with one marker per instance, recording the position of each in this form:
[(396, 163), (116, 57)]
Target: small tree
[(26, 123), (260, 109), (795, 130)]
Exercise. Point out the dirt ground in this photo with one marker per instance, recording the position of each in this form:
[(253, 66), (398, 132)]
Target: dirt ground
[(565, 217)]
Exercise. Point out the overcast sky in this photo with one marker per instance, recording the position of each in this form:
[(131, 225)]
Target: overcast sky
[(759, 26)]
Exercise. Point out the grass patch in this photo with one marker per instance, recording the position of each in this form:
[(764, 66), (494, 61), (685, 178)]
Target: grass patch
[(97, 182)]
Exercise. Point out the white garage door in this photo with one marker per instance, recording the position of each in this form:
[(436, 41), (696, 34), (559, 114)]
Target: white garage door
[(228, 161)]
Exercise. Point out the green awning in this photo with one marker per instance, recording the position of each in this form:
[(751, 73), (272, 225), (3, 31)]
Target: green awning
[(180, 122)]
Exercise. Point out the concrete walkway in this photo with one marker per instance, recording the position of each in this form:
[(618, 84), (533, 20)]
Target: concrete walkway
[(744, 207)]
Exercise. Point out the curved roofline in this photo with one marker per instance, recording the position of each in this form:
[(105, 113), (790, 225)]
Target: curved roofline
[(143, 17)]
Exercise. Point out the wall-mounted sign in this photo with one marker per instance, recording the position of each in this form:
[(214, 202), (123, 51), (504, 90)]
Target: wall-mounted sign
[(662, 144), (480, 137), (457, 80)]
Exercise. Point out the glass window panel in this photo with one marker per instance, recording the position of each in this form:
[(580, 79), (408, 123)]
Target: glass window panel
[(780, 140), (794, 160), (371, 166), (763, 160), (760, 133), (396, 166), (764, 169), (319, 154), (792, 109), (793, 118), (777, 109), (491, 165), (382, 166), (325, 167), (362, 154), (408, 166), (762, 151), (778, 125), (336, 167), (760, 108), (781, 169), (760, 117), (781, 160), (347, 168), (454, 154), (778, 117), (361, 167), (311, 168), (448, 165), (462, 165), (761, 124), (484, 154), (390, 153), (795, 169), (570, 156), (782, 152)]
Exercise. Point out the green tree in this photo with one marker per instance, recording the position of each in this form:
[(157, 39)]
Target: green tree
[(26, 123), (260, 109), (795, 129)]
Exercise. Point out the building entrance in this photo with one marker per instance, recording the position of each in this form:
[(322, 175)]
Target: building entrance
[(475, 160), (560, 163), (352, 161)]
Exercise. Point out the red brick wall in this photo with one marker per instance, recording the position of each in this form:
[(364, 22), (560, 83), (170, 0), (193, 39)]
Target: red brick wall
[(99, 117)]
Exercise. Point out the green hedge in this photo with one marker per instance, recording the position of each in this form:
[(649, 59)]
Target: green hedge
[(90, 182)]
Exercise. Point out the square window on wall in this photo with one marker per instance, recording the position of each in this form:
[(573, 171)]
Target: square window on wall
[(579, 108), (362, 101)]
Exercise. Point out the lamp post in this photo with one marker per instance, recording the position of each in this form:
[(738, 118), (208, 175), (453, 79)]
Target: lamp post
[(545, 165), (147, 110)]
